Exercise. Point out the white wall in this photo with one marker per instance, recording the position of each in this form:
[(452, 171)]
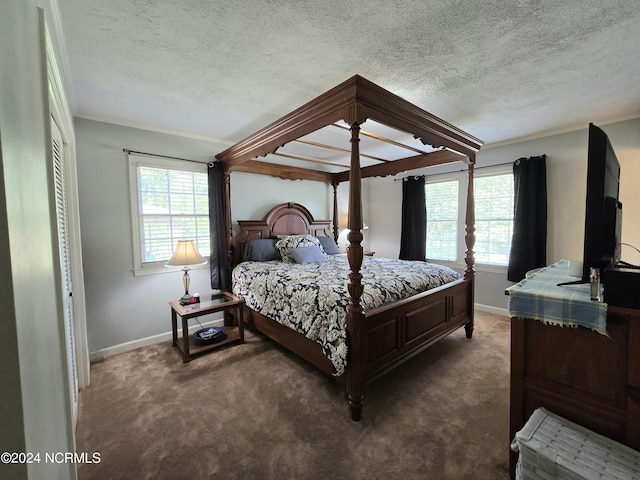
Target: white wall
[(252, 196), (566, 184), (34, 403), (122, 308)]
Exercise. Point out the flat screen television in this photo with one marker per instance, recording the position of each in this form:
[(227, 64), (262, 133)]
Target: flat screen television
[(603, 215)]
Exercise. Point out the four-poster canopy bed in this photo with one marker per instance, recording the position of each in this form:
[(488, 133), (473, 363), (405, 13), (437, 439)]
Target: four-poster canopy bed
[(379, 338)]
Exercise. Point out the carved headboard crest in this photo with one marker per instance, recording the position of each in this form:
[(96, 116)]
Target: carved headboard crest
[(285, 219)]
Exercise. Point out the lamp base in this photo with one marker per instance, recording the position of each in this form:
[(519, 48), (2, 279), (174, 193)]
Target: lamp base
[(186, 299)]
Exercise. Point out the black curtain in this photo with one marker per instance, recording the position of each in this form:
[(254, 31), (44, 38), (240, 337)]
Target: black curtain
[(217, 227), (529, 241), (413, 236)]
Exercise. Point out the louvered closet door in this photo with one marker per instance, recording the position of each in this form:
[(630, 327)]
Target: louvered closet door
[(65, 263)]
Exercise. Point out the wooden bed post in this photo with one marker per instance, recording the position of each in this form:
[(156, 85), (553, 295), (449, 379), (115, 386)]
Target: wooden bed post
[(227, 220), (334, 184), (356, 373), (470, 240)]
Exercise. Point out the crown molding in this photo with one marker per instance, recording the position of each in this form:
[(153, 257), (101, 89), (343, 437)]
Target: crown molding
[(152, 128), (560, 131)]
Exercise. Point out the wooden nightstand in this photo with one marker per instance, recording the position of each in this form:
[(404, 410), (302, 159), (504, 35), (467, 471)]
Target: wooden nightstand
[(215, 302)]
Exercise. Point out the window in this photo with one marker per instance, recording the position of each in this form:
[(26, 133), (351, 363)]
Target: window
[(169, 203), (494, 218), (446, 208), (442, 220)]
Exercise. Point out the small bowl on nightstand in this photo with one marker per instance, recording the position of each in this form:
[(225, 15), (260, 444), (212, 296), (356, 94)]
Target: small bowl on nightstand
[(209, 334)]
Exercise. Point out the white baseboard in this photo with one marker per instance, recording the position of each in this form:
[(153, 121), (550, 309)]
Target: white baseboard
[(100, 355), (490, 309)]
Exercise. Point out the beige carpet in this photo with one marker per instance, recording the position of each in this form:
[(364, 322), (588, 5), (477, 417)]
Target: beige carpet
[(255, 411)]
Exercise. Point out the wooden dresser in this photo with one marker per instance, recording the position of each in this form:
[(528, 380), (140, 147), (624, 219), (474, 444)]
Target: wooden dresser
[(590, 375), (579, 374)]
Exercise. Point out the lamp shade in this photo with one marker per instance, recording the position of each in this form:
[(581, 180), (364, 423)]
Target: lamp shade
[(186, 253)]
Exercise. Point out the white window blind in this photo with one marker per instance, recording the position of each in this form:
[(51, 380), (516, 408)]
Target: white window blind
[(442, 220), (494, 218), (170, 204)]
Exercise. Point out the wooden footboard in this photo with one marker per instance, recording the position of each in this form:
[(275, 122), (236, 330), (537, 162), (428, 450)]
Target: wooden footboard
[(394, 332), (397, 332)]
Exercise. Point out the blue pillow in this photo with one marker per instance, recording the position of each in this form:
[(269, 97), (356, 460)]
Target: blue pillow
[(309, 254), (261, 250), (329, 246)]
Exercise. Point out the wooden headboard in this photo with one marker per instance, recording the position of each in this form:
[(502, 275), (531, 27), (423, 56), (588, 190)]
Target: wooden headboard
[(285, 219)]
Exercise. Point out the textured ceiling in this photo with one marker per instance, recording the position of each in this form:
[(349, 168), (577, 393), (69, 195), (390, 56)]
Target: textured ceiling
[(499, 70)]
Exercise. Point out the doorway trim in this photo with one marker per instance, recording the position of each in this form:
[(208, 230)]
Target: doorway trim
[(59, 110)]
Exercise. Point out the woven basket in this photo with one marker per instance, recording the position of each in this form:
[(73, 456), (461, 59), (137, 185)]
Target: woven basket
[(552, 447)]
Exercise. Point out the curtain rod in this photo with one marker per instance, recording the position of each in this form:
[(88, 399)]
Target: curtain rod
[(127, 151), (455, 171)]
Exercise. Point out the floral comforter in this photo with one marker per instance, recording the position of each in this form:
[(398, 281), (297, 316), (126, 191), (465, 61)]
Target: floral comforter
[(313, 299)]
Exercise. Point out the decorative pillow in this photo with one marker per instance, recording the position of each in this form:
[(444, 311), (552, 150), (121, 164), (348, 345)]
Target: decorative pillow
[(294, 241), (261, 250), (329, 246), (310, 254)]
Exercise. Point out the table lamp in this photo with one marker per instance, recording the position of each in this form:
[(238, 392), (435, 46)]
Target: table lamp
[(186, 255)]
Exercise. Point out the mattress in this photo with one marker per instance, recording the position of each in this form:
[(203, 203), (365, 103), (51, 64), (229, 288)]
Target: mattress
[(313, 299)]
